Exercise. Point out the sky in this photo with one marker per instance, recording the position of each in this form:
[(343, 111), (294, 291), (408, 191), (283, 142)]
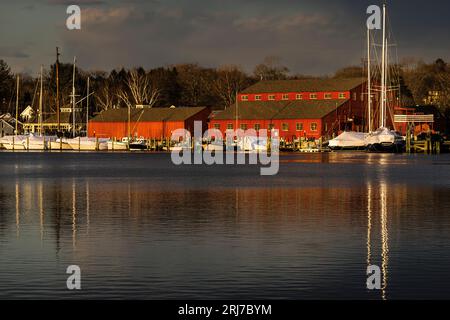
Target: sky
[(314, 37)]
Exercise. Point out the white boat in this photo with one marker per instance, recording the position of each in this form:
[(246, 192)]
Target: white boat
[(12, 142), (253, 144), (88, 144), (60, 144), (384, 139), (32, 142), (117, 145), (349, 140), (215, 146), (139, 144)]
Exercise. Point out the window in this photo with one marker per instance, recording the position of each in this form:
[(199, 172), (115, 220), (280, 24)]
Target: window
[(314, 126), (342, 95), (271, 126), (244, 98), (272, 97), (230, 126), (354, 96), (299, 126), (244, 126), (285, 97), (217, 126), (328, 96), (258, 98), (285, 127), (299, 96), (257, 126), (313, 96)]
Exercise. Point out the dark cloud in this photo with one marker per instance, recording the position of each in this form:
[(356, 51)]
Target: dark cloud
[(11, 52), (314, 37)]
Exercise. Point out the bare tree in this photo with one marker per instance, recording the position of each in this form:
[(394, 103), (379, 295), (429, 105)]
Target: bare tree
[(230, 80), (139, 90), (271, 69)]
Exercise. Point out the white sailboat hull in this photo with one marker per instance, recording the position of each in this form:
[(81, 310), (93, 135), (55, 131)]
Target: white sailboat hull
[(87, 144), (349, 140), (385, 139), (117, 146), (12, 142), (58, 145)]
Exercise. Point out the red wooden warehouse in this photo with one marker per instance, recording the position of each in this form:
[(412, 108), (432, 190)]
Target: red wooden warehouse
[(311, 109), (150, 123)]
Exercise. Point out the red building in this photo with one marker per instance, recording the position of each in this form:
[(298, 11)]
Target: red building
[(150, 123), (311, 108)]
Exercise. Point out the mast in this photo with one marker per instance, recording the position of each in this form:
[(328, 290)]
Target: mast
[(73, 96), (237, 111), (17, 105), (369, 84), (383, 73), (87, 108), (40, 106), (58, 111), (129, 123)]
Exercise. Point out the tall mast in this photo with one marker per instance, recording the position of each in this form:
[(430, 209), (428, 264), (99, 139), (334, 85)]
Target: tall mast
[(383, 73), (369, 84), (129, 123), (73, 96), (40, 107), (87, 108), (17, 105), (237, 111), (58, 111)]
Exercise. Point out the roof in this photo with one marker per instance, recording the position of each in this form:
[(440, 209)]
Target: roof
[(305, 109), (148, 114), (306, 85)]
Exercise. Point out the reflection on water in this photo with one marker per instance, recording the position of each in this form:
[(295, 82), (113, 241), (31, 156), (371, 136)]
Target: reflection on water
[(383, 198), (141, 228)]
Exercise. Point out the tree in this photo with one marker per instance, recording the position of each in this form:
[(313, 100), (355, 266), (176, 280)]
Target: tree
[(140, 90), (6, 85), (195, 83), (349, 72), (229, 81), (271, 69)]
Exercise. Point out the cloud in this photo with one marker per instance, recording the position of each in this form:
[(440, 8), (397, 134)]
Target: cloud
[(116, 16), (77, 2), (12, 52), (282, 22)]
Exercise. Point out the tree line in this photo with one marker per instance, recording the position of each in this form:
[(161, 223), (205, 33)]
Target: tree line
[(194, 85)]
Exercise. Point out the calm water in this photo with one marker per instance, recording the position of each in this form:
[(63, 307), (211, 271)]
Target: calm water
[(140, 227)]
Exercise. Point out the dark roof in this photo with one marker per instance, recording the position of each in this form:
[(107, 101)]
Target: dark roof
[(306, 109), (307, 85), (148, 114)]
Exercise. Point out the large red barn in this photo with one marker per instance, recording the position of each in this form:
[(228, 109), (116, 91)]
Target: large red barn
[(150, 123), (311, 108)]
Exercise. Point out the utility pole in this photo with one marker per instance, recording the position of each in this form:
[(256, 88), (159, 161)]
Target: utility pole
[(87, 108), (58, 111), (17, 105)]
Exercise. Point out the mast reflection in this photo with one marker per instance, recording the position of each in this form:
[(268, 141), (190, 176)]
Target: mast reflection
[(381, 196)]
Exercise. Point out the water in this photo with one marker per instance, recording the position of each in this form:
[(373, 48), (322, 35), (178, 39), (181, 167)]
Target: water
[(140, 227)]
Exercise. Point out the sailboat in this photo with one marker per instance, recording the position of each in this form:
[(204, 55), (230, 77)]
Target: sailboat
[(38, 142), (384, 139), (14, 142), (351, 140)]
